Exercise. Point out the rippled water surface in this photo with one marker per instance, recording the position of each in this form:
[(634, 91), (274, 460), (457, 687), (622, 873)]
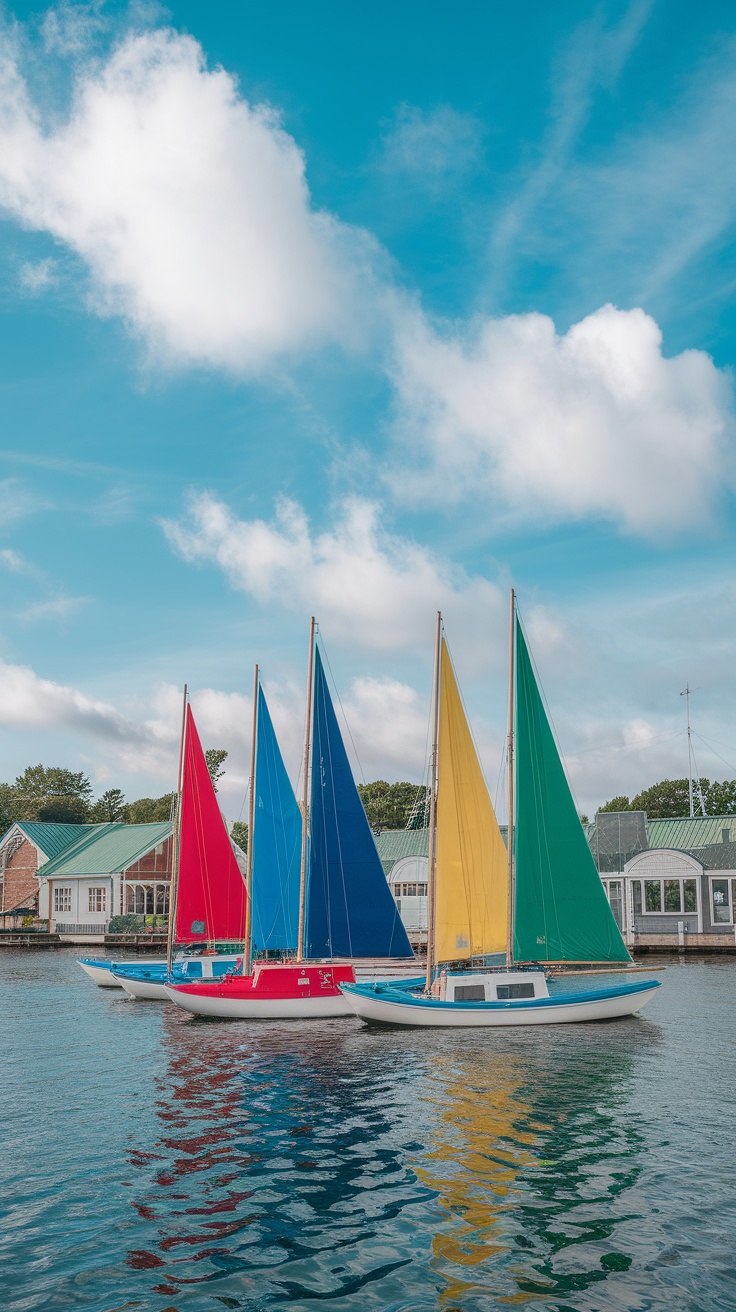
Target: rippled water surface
[(155, 1161)]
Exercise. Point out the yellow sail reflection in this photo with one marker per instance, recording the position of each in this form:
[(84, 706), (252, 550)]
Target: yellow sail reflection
[(471, 888), (473, 1166)]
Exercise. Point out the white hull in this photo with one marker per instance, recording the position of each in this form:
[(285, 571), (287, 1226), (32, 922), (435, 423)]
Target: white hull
[(103, 976), (262, 1008), (385, 1012), (144, 988)]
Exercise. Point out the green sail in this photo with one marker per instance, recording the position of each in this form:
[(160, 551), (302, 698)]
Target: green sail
[(561, 911)]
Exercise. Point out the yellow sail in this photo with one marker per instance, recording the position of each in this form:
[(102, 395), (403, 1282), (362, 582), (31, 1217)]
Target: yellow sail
[(470, 900)]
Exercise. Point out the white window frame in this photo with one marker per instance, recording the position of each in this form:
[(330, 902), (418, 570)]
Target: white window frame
[(101, 896), (729, 878), (62, 892), (668, 879)]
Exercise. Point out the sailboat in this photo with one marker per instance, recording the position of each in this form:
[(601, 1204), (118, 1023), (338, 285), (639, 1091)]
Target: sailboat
[(315, 882), (539, 899), (208, 895)]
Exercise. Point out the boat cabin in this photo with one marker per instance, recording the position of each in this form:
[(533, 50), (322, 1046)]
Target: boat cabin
[(496, 986)]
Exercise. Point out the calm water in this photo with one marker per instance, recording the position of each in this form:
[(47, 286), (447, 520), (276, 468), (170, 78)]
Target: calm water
[(154, 1161)]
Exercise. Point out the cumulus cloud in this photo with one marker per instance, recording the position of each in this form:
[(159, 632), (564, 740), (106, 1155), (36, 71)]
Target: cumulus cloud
[(188, 205), (592, 422), (365, 585)]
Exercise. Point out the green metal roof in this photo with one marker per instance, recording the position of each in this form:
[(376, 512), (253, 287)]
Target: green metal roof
[(717, 856), (394, 844), (687, 832), (51, 839), (107, 850)]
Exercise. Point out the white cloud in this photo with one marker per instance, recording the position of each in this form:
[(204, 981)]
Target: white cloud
[(52, 608), (188, 205), (388, 723), (594, 422), (365, 585)]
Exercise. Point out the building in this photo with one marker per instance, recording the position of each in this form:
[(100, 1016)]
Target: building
[(671, 883), (76, 877)]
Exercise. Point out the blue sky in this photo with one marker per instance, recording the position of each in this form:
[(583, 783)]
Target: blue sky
[(366, 311)]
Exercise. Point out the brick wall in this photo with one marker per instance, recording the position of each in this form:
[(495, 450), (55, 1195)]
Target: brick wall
[(21, 885)]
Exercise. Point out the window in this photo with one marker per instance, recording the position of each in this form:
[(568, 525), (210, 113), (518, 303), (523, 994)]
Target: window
[(721, 908), (673, 896), (653, 894), (514, 990), (470, 993), (408, 890), (97, 899), (62, 899)]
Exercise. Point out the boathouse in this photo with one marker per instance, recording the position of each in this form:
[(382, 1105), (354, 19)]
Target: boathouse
[(76, 877)]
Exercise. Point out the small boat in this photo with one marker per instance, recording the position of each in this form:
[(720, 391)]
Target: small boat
[(539, 899), (208, 896), (315, 881), (102, 971)]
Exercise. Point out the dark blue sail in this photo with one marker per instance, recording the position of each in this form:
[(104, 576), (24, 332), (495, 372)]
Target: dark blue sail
[(350, 909), (277, 837)]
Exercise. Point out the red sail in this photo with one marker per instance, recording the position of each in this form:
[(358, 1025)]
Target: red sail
[(210, 902)]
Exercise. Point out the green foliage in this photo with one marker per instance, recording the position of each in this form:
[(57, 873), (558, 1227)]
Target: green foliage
[(670, 797), (150, 810), (720, 798), (239, 834), (390, 806), (616, 804), (129, 924), (47, 793), (215, 756), (65, 811), (110, 808)]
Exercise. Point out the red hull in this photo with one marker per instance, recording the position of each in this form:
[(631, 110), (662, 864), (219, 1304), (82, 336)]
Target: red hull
[(273, 982)]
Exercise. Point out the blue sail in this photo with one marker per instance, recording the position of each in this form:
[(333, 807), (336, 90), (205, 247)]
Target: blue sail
[(350, 909), (277, 836)]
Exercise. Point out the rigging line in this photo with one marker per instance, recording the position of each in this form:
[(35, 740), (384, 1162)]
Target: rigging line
[(633, 747), (713, 750), (342, 708)]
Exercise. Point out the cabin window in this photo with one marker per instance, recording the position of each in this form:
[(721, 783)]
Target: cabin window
[(62, 899), (653, 894), (672, 900), (636, 895), (721, 908), (470, 993), (514, 990), (97, 899)]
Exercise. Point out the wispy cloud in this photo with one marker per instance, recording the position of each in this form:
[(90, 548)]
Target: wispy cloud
[(53, 608), (36, 276), (431, 147)]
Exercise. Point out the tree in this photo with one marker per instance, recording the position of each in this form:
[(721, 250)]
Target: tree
[(65, 811), (150, 810), (721, 798), (668, 798), (390, 806), (215, 756), (42, 787), (110, 808), (616, 804), (239, 834)]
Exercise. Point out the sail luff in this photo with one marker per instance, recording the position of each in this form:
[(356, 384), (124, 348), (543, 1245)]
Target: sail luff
[(248, 945), (275, 844), (305, 795), (175, 828), (432, 859), (510, 771)]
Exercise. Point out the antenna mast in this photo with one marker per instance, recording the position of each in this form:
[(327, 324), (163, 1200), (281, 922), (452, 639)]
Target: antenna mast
[(686, 694)]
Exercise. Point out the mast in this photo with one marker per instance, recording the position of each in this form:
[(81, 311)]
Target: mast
[(248, 945), (305, 797), (432, 862), (175, 842), (686, 694), (510, 834)]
